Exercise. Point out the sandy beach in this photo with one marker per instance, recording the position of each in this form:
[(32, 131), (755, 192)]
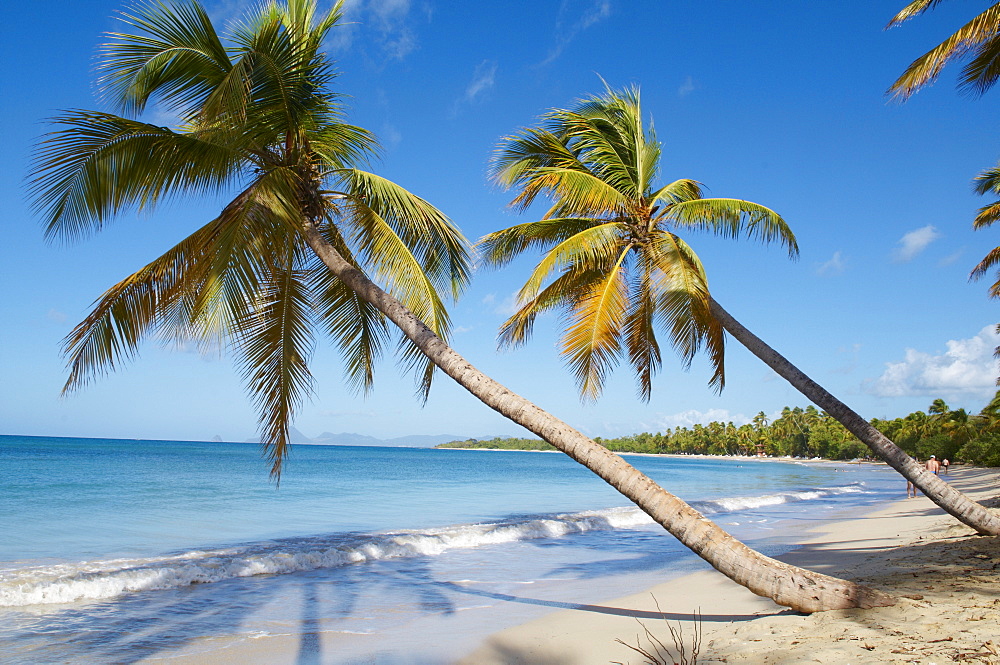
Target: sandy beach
[(947, 580)]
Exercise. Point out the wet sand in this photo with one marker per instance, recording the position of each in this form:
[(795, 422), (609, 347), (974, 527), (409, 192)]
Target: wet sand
[(947, 580)]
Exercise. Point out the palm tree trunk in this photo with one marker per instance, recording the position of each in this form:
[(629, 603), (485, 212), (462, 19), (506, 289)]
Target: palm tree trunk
[(944, 495), (794, 587)]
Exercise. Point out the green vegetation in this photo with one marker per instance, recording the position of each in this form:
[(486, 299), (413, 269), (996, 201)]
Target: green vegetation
[(953, 434)]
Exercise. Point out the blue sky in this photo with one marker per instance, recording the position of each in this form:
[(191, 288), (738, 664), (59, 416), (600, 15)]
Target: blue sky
[(778, 103)]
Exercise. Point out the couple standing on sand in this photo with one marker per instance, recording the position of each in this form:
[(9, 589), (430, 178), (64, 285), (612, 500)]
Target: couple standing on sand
[(932, 465)]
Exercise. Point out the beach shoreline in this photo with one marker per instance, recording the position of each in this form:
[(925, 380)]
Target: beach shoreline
[(947, 580)]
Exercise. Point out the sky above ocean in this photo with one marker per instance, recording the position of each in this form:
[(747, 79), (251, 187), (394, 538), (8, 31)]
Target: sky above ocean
[(778, 103)]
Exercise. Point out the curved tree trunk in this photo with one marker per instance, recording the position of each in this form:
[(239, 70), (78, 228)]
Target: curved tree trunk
[(794, 587), (947, 497)]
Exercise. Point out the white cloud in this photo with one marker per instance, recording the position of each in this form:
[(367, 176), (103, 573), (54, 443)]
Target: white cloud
[(482, 80), (55, 316), (693, 417), (508, 307), (686, 88), (566, 32), (951, 258), (834, 266), (914, 242), (388, 20), (967, 367)]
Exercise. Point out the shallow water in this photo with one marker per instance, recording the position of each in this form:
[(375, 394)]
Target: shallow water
[(120, 551)]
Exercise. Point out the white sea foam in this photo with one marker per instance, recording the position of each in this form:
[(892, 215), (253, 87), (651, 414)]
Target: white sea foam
[(93, 580)]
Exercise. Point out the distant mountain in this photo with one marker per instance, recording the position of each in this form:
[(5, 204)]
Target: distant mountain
[(352, 439), (421, 440), (347, 439), (294, 436)]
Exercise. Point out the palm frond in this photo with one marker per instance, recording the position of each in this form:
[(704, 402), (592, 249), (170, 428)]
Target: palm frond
[(439, 247), (732, 218), (975, 36), (97, 165), (983, 70), (352, 323), (607, 134), (915, 8), (413, 249), (518, 155), (594, 247), (986, 215), (990, 261), (640, 328), (274, 343), (678, 191), (501, 247), (193, 291), (988, 181), (592, 341), (176, 55), (564, 291), (680, 291)]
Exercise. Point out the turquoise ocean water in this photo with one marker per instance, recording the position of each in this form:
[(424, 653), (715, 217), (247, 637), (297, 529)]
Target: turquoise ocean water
[(134, 551)]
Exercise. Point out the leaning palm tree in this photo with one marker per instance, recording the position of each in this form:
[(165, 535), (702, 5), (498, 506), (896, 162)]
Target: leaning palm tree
[(298, 251), (978, 41), (617, 268)]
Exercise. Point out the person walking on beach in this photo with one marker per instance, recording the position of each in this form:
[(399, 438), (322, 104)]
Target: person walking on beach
[(933, 465), (911, 489), (944, 466)]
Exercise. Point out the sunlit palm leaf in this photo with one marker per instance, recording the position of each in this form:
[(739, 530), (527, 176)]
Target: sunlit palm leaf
[(502, 247), (680, 290), (592, 248), (977, 37), (732, 218), (678, 191), (623, 221), (521, 155), (990, 261), (591, 343), (564, 291), (640, 328), (433, 240)]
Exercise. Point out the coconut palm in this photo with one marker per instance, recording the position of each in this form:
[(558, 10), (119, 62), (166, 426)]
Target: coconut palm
[(978, 41), (255, 116), (615, 264), (298, 250), (988, 182), (981, 38)]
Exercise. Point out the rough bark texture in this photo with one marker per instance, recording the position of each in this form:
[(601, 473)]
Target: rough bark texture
[(947, 497), (797, 588)]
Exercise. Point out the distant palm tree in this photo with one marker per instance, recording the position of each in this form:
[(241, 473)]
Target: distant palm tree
[(616, 267), (290, 256), (980, 39), (988, 182), (976, 41)]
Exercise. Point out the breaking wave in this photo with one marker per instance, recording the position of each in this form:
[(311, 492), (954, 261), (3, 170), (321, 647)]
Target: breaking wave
[(94, 580)]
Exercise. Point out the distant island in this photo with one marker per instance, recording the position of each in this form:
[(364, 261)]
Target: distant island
[(352, 439), (810, 433)]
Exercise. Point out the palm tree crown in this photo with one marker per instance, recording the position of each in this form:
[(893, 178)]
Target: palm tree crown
[(614, 261), (256, 117), (978, 41)]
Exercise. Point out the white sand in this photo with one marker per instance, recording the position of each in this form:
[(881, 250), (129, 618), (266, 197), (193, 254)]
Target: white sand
[(947, 579)]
